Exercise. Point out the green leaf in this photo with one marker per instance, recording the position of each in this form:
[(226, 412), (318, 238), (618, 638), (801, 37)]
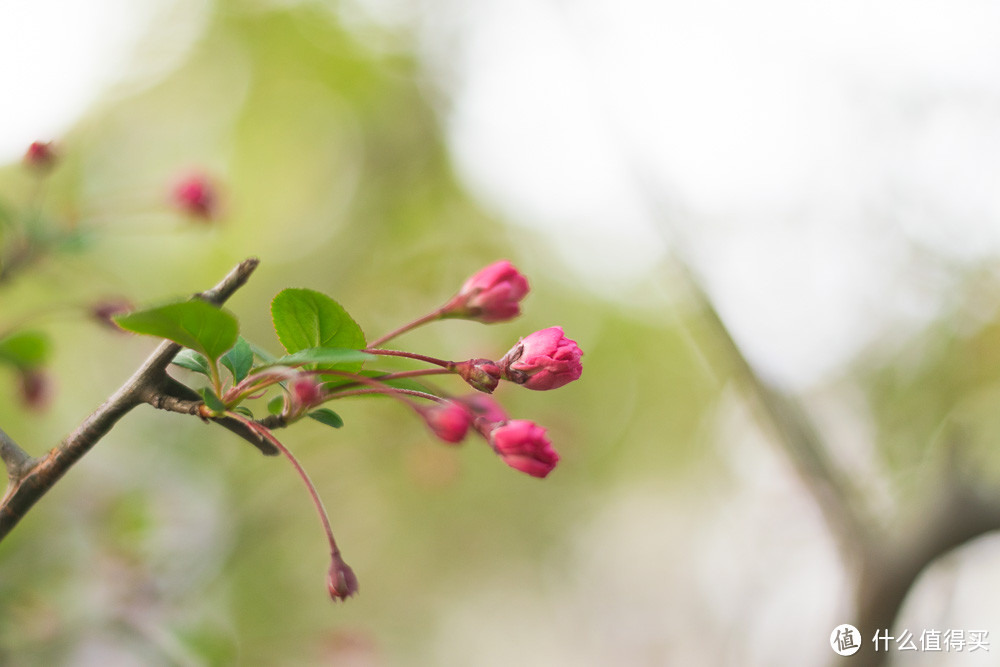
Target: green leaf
[(324, 355), (194, 324), (25, 349), (328, 417), (305, 319), (275, 405), (262, 354), (213, 402), (191, 360), (239, 360), (243, 410)]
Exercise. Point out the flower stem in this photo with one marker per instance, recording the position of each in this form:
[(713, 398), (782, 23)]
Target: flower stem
[(413, 355), (429, 317)]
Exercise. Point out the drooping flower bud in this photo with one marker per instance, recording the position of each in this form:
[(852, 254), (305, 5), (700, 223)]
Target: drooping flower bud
[(524, 446), (197, 196), (481, 374), (546, 359), (493, 294), (340, 580), (485, 408), (36, 388), (40, 155), (449, 421), (103, 311), (303, 393)]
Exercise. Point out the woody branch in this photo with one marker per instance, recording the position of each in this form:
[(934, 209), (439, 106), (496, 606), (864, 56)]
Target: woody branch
[(29, 478)]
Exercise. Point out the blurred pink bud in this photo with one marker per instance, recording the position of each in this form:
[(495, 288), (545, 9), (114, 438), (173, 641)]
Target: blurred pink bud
[(197, 196), (491, 295), (36, 388), (340, 581), (481, 374), (40, 155), (543, 360), (485, 407), (523, 445), (103, 312), (305, 392), (449, 421)]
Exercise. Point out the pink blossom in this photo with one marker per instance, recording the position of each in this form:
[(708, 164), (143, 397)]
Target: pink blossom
[(491, 295), (197, 196), (523, 445), (40, 155), (341, 581), (449, 421), (546, 359), (485, 407)]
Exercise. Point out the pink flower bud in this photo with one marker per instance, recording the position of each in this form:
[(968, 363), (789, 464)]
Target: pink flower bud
[(449, 421), (103, 312), (523, 445), (481, 374), (305, 392), (485, 408), (340, 581), (40, 155), (543, 360), (491, 295), (36, 388), (197, 196)]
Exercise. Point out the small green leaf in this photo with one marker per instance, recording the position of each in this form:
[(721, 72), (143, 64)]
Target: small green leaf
[(213, 402), (239, 360), (191, 360), (262, 354), (328, 417), (275, 405), (304, 319), (324, 355), (26, 349), (194, 324), (243, 410)]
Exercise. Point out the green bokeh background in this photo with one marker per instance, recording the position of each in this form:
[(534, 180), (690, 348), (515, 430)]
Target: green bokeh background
[(174, 542)]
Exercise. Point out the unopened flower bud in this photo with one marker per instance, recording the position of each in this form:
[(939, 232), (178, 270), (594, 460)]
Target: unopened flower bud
[(36, 388), (543, 360), (524, 446), (491, 295), (340, 581), (304, 392), (103, 312), (485, 408), (481, 374), (449, 421), (40, 155), (197, 196)]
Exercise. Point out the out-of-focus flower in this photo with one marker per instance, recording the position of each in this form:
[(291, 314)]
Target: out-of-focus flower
[(104, 311), (485, 407), (340, 580), (196, 195), (36, 388), (304, 392), (546, 359), (40, 155), (449, 421), (493, 294), (524, 446)]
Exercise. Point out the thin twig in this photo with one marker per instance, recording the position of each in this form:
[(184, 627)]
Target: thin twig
[(31, 482)]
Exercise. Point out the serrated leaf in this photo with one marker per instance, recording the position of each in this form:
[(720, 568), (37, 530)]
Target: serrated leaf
[(213, 402), (305, 319), (239, 360), (194, 324), (328, 417), (25, 349), (328, 356), (275, 405), (191, 360)]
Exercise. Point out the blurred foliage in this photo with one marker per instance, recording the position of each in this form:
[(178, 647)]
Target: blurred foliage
[(174, 542)]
